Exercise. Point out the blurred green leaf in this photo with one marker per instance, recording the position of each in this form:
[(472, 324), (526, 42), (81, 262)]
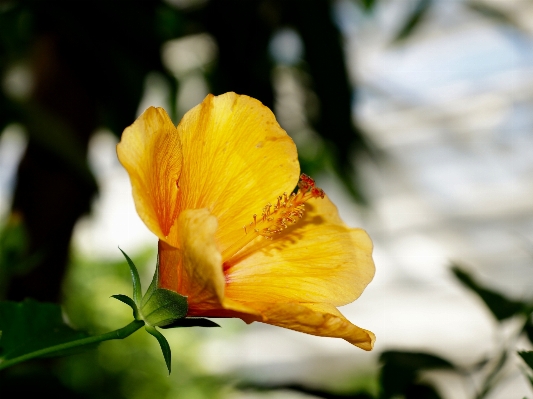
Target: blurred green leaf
[(400, 372), (368, 5), (500, 306), (413, 21), (30, 326), (528, 329), (414, 360), (191, 322), (528, 357), (315, 392)]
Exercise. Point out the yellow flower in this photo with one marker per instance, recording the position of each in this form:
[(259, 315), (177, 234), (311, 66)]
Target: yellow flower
[(216, 190)]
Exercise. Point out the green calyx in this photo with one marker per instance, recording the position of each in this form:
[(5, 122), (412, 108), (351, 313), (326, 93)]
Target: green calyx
[(158, 307)]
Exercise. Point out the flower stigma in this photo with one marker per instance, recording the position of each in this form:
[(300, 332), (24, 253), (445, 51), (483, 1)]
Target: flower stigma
[(276, 218)]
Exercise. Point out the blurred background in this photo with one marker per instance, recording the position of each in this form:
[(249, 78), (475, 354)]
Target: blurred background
[(415, 117)]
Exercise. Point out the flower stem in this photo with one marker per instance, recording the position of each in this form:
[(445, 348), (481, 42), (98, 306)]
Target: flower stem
[(121, 333)]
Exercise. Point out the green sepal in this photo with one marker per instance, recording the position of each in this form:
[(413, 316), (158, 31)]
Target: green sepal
[(128, 301), (164, 307), (191, 322), (137, 292), (163, 343), (153, 285)]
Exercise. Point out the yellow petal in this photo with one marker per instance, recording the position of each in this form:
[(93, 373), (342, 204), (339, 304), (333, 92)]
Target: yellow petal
[(195, 268), (238, 158), (317, 319), (150, 151), (316, 260)]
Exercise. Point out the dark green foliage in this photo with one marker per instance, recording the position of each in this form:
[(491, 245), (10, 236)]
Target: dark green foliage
[(191, 322), (499, 305), (400, 373), (368, 5), (13, 252), (528, 358), (29, 326), (528, 328), (315, 392), (398, 378)]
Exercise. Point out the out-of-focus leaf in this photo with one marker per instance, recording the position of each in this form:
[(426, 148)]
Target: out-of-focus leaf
[(13, 251), (528, 357), (413, 21), (191, 322), (318, 393), (492, 13), (421, 391), (30, 326), (499, 305), (368, 5), (400, 371), (528, 329), (414, 360)]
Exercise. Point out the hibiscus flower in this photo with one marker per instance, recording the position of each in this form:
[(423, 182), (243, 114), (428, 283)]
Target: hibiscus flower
[(235, 237)]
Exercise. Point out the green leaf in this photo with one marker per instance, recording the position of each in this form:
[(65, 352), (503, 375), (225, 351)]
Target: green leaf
[(528, 357), (414, 360), (400, 372), (163, 343), (191, 322), (164, 307), (500, 306), (128, 301), (528, 329), (29, 326), (137, 292), (153, 285)]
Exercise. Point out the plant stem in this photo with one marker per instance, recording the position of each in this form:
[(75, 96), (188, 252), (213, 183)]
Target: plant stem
[(121, 333)]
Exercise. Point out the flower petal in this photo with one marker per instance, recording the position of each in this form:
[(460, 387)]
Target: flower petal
[(194, 269), (317, 319), (150, 151), (238, 159), (316, 260)]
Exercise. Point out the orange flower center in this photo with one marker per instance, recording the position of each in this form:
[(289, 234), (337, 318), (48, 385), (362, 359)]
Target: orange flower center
[(276, 218)]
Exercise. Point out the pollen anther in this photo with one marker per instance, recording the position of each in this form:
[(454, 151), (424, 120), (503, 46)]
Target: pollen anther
[(276, 218), (289, 208)]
